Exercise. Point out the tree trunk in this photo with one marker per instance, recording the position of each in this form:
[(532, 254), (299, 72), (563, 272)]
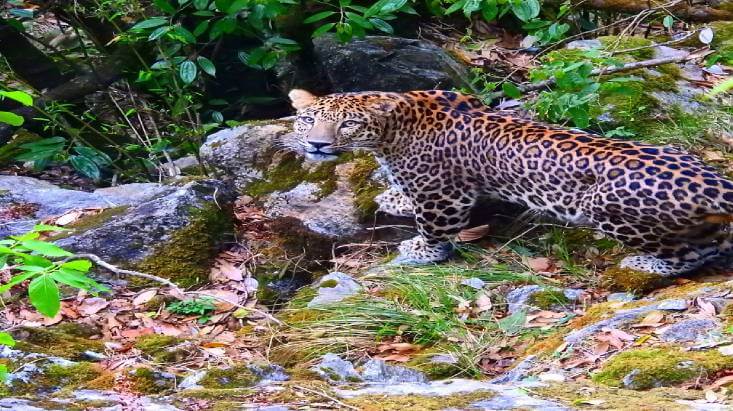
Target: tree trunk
[(689, 10), (29, 63)]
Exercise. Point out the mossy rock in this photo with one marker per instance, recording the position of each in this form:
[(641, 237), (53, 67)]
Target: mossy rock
[(235, 377), (646, 368), (547, 299), (723, 39), (160, 347), (187, 256), (418, 402), (148, 381), (630, 280), (68, 341)]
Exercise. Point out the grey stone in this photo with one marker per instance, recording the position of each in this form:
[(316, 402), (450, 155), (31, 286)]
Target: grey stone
[(10, 403), (518, 372), (240, 153), (628, 379), (378, 371), (443, 359), (93, 356), (684, 98), (474, 282), (345, 287), (135, 234), (518, 298), (584, 44), (661, 52), (689, 330), (52, 200), (573, 294), (677, 304), (268, 373), (386, 64), (620, 297), (336, 370), (192, 380)]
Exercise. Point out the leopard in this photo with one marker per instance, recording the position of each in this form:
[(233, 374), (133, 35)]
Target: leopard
[(446, 150)]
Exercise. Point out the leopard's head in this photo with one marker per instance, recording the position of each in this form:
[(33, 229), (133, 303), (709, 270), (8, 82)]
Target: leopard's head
[(330, 125)]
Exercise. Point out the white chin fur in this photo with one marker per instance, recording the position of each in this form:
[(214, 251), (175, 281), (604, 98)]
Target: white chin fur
[(320, 157)]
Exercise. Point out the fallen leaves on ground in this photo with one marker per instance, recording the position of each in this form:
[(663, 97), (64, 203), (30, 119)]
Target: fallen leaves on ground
[(654, 319), (473, 233), (543, 319)]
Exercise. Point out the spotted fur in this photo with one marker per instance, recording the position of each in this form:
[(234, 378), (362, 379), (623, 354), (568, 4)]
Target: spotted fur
[(445, 150)]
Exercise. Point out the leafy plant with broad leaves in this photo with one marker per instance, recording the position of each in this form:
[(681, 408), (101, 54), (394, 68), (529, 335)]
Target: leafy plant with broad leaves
[(85, 159), (202, 307), (21, 97), (350, 20), (46, 266)]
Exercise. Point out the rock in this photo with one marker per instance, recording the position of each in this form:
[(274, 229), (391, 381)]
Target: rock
[(473, 282), (516, 399), (620, 297), (268, 373), (47, 200), (334, 287), (192, 380), (573, 294), (726, 350), (175, 235), (676, 304), (336, 370), (628, 379), (689, 331), (551, 377), (378, 371), (386, 64), (584, 44), (661, 52), (242, 152), (518, 298), (518, 372), (10, 403)]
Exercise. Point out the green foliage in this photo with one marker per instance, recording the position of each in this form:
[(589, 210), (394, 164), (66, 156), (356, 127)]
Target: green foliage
[(46, 266), (22, 98), (349, 20), (202, 307)]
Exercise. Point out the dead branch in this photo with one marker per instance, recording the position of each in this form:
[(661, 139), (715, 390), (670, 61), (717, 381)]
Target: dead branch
[(700, 10)]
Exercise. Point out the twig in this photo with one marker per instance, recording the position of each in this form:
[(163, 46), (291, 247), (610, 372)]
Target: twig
[(174, 287), (324, 395), (609, 70)]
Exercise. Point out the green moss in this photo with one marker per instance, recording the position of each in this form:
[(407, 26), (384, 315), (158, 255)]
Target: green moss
[(187, 256), (71, 376), (91, 221), (548, 298), (418, 402), (158, 346), (218, 393), (619, 43), (289, 173), (435, 370), (234, 377), (328, 284), (599, 397), (365, 189), (147, 381), (629, 280), (723, 39), (634, 109), (56, 341), (659, 367)]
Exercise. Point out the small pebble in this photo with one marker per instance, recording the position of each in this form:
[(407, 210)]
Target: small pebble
[(673, 305), (620, 297), (474, 282), (551, 377), (726, 350)]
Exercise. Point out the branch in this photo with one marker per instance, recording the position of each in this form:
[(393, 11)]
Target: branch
[(612, 70), (700, 11), (177, 291)]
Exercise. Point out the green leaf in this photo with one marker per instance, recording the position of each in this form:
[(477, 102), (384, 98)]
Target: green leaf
[(31, 259), (382, 25), (159, 32), (526, 10), (77, 279), (668, 21), (19, 96), (11, 118), (318, 17), (45, 249), (489, 10), (85, 166), (237, 6), (470, 6), (99, 158), (7, 339), (323, 29), (359, 20), (223, 26), (514, 323), (165, 6), (183, 34), (201, 4), (201, 28), (78, 265), (511, 90), (150, 23), (455, 6), (187, 71), (44, 295), (217, 116), (206, 65)]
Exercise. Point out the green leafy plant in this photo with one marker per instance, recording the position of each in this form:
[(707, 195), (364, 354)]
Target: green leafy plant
[(202, 307), (46, 266), (7, 340), (21, 97), (355, 20)]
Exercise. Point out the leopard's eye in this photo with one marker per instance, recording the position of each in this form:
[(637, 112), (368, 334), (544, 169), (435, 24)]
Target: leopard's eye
[(308, 120), (350, 123)]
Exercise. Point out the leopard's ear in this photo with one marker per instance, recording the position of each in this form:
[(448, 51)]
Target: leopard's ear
[(301, 99), (383, 106)]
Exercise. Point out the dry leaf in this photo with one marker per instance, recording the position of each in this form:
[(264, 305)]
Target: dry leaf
[(394, 357), (144, 297), (92, 305), (68, 218), (728, 379), (473, 233), (706, 307), (539, 264), (483, 303), (653, 319)]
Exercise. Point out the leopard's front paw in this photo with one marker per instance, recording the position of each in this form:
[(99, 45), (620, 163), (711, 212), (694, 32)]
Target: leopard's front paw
[(418, 251), (394, 202)]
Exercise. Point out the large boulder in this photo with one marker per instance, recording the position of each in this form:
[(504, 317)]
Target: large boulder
[(385, 64)]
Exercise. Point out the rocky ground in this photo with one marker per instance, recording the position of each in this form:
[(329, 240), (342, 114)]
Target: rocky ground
[(290, 302)]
